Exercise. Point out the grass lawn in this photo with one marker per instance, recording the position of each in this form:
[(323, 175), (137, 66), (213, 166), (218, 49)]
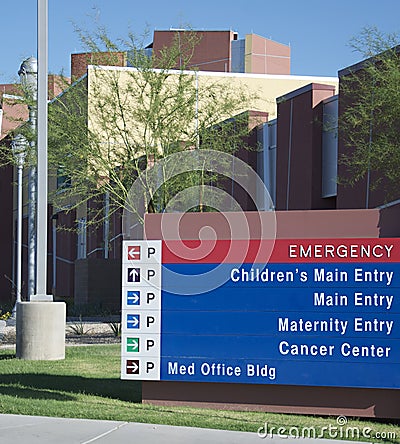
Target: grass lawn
[(87, 385)]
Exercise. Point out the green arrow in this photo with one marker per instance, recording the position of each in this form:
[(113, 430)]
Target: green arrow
[(132, 344)]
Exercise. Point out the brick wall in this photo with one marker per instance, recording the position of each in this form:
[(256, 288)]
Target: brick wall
[(79, 62)]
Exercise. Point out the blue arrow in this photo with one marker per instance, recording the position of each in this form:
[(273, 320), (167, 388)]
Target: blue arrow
[(133, 297), (133, 321)]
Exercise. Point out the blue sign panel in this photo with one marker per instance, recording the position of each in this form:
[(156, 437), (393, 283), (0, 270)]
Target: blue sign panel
[(303, 318)]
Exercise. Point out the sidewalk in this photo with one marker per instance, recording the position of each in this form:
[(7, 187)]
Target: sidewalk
[(15, 429)]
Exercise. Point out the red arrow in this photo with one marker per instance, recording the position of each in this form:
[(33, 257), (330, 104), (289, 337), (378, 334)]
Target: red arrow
[(134, 252)]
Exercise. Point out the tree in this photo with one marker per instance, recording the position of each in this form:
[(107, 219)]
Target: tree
[(369, 122), (108, 128)]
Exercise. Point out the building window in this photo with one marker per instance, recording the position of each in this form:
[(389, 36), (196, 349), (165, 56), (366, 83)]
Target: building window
[(82, 233), (330, 147)]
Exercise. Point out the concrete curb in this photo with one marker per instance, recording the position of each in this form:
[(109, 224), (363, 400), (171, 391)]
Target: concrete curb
[(16, 429)]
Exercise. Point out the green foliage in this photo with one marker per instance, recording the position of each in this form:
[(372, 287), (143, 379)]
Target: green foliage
[(115, 328), (112, 125), (108, 128), (370, 121), (79, 328), (6, 311), (5, 315)]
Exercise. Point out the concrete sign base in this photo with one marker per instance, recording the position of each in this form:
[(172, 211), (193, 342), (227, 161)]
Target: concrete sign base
[(41, 330)]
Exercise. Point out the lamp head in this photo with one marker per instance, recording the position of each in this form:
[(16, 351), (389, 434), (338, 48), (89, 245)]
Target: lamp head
[(28, 76), (19, 147)]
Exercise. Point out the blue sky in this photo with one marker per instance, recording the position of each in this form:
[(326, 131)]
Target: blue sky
[(317, 31)]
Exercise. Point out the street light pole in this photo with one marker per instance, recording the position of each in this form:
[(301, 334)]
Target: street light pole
[(34, 81), (42, 215), (41, 322), (19, 145), (28, 75)]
